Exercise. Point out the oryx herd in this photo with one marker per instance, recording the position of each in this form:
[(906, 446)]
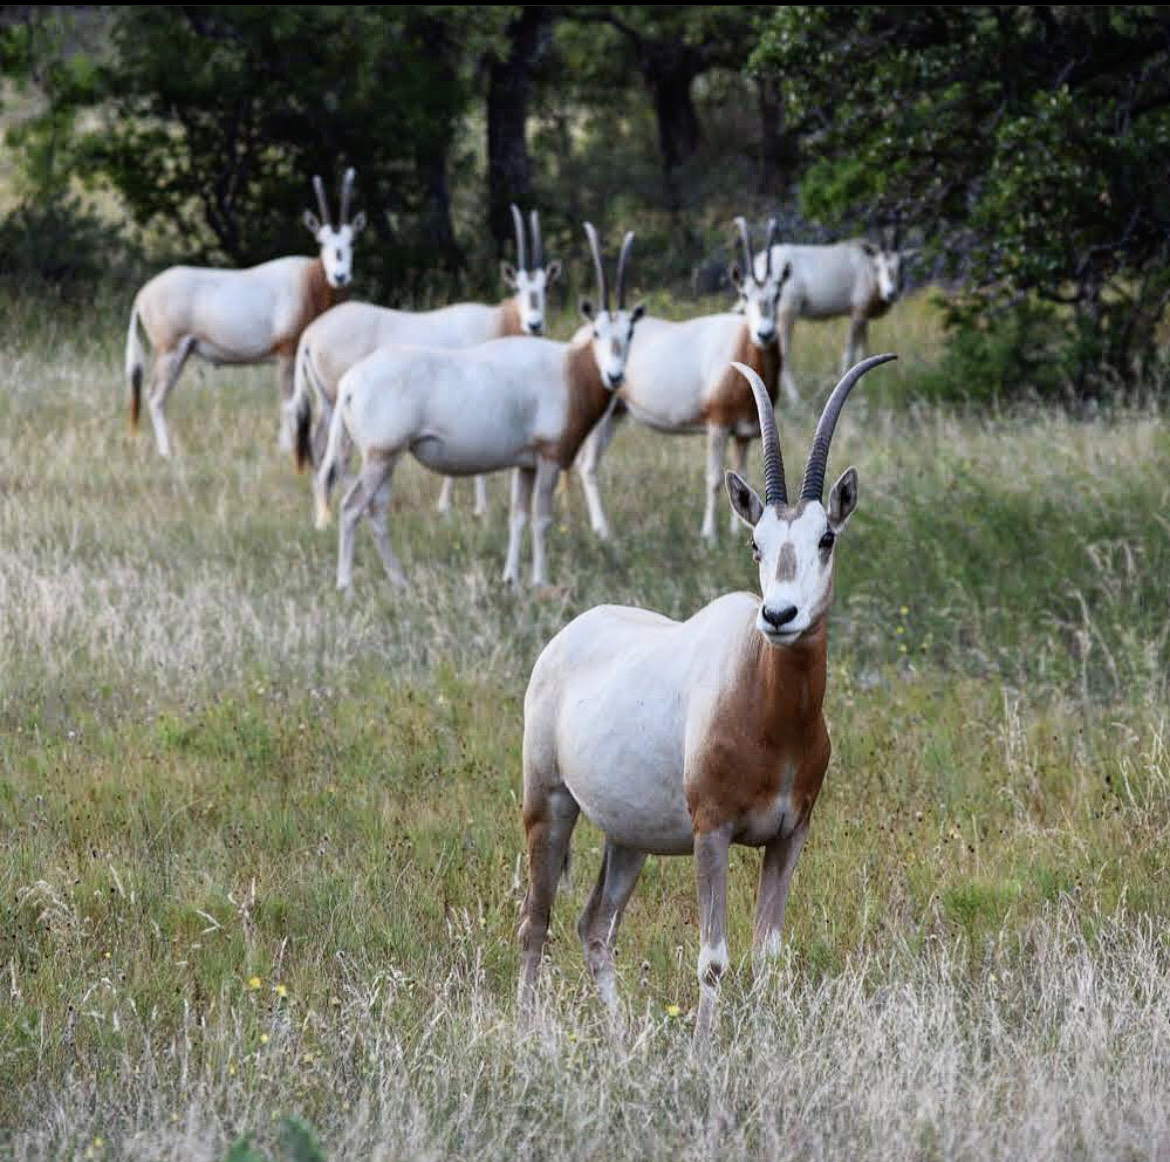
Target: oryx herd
[(671, 737)]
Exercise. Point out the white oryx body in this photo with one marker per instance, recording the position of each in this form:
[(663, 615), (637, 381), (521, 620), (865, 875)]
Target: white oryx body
[(345, 335), (853, 278), (679, 737), (680, 380), (524, 403), (235, 317)]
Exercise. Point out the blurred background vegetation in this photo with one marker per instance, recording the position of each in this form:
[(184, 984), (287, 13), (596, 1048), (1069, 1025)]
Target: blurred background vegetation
[(1024, 150)]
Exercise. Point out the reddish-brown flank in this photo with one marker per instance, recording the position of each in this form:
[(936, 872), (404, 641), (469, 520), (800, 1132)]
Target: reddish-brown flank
[(732, 403)]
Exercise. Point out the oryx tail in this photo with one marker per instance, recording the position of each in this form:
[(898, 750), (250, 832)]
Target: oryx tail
[(135, 368), (301, 408), (327, 473)]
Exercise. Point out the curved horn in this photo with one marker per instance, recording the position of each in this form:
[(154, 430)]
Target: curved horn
[(623, 260), (773, 230), (775, 490), (346, 194), (322, 201), (599, 266), (521, 244), (749, 270), (813, 487), (537, 247)]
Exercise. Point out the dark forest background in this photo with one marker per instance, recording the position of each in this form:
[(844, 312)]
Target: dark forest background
[(1023, 151)]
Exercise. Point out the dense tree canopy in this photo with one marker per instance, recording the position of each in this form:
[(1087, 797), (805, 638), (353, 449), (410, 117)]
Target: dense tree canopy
[(1030, 145)]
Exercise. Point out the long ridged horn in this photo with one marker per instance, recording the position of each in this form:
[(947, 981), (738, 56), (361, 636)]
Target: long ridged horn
[(813, 486), (745, 241), (346, 194), (599, 266), (537, 246), (775, 490), (322, 201), (623, 261), (773, 230), (521, 243)]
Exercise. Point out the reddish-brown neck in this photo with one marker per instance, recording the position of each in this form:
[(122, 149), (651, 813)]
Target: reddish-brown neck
[(510, 321), (587, 399)]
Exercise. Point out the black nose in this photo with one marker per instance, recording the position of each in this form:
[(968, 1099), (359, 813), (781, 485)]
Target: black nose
[(536, 329), (616, 380), (778, 617)]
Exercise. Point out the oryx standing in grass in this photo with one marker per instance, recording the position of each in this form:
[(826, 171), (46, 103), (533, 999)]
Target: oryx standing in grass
[(523, 403), (686, 737), (332, 344), (854, 278), (680, 379), (239, 316)]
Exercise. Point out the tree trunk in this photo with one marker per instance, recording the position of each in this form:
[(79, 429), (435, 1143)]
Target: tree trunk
[(777, 152), (509, 88), (679, 133)]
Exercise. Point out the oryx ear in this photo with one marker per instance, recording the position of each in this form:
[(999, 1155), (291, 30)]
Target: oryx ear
[(843, 498), (552, 272), (310, 220), (508, 274), (359, 223), (745, 503), (585, 306), (736, 276), (637, 312), (785, 274)]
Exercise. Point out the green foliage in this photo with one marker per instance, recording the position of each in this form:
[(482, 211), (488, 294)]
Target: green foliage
[(297, 1140), (1031, 145)]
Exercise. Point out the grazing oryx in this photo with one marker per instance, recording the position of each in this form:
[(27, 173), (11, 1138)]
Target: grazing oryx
[(522, 403), (680, 379), (239, 316), (853, 278), (679, 737), (332, 344)]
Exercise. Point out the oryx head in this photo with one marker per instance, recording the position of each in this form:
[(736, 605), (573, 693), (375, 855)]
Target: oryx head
[(887, 271), (530, 282), (613, 331), (758, 296), (793, 543), (336, 242)]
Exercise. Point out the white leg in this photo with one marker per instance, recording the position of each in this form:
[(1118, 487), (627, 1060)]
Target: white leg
[(167, 369), (855, 348), (286, 440), (481, 500), (776, 870), (377, 514), (587, 462), (787, 322), (547, 473), (362, 494), (445, 495), (522, 482), (711, 864), (620, 868), (716, 455), (739, 459)]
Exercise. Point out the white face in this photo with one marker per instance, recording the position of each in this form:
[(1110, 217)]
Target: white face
[(759, 303), (887, 265), (531, 287), (613, 332), (336, 247), (794, 547)]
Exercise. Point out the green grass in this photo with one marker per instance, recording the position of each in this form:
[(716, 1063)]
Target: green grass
[(214, 770)]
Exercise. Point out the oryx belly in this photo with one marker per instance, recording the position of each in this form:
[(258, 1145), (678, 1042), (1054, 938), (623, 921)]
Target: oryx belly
[(673, 367)]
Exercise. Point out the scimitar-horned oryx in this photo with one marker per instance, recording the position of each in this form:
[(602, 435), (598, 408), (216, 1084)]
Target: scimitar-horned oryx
[(332, 344), (523, 403), (686, 737), (239, 317), (680, 380), (854, 278)]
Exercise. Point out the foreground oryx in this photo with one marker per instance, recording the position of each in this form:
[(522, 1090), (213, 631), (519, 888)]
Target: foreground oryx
[(512, 403), (853, 278), (678, 737), (341, 337), (680, 379), (239, 316)]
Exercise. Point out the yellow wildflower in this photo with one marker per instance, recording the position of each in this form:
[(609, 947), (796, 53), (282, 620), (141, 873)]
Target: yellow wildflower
[(673, 1011), (254, 983)]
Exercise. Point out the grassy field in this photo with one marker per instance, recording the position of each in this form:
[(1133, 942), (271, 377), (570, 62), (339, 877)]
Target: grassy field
[(260, 847)]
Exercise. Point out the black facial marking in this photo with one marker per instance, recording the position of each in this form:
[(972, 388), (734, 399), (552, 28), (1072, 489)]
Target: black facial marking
[(826, 541)]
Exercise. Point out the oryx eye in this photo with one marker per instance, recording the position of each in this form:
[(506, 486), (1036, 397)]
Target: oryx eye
[(755, 550), (826, 542)]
